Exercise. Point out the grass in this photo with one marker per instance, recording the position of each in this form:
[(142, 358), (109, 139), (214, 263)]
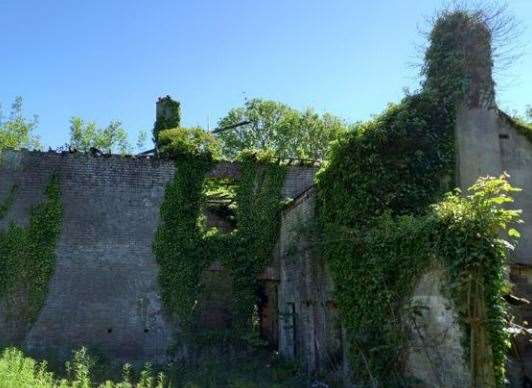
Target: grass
[(259, 370), (20, 371)]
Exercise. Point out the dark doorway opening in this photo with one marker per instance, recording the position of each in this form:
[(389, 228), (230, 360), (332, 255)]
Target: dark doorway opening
[(268, 312)]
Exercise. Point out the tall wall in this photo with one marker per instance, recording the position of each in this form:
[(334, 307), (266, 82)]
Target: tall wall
[(309, 328), (488, 142), (490, 145), (104, 291)]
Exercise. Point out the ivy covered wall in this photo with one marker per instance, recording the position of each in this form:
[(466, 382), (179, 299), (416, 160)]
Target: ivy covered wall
[(184, 247), (27, 255), (385, 219)]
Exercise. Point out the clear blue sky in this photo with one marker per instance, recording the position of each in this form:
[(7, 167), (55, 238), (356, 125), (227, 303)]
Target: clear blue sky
[(111, 59)]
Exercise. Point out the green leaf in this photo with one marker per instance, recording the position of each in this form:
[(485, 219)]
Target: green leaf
[(513, 233)]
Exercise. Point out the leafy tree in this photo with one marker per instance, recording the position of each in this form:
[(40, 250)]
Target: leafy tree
[(86, 135), (275, 126), (17, 131), (194, 140), (313, 134)]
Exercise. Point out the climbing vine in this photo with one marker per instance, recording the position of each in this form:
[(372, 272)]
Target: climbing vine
[(380, 230), (180, 239), (383, 214), (185, 247), (28, 254), (7, 202), (371, 194), (467, 238), (258, 216), (169, 118)]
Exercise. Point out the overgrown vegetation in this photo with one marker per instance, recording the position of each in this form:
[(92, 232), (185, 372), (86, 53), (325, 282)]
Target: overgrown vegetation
[(86, 135), (380, 231), (263, 371), (258, 199), (270, 125), (180, 245), (178, 141), (17, 370), (7, 201), (185, 247), (468, 238), (170, 119), (263, 125), (383, 212), (27, 255)]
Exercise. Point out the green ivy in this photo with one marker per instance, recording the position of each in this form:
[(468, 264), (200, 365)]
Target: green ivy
[(468, 239), (28, 253), (380, 231), (258, 198), (185, 247), (170, 120), (373, 271), (180, 242), (399, 162), (377, 180), (7, 202)]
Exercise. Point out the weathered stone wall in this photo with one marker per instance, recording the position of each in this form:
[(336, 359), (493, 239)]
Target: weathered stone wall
[(477, 145), (489, 143), (435, 357), (516, 159), (309, 328), (104, 292)]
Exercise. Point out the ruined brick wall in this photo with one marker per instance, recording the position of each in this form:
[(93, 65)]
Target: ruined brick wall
[(104, 289), (104, 292)]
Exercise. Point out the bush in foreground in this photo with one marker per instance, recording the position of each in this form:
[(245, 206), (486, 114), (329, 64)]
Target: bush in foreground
[(17, 370)]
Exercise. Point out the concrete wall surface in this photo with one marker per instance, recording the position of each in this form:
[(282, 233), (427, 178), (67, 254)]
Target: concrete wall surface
[(309, 328), (490, 143), (435, 356)]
